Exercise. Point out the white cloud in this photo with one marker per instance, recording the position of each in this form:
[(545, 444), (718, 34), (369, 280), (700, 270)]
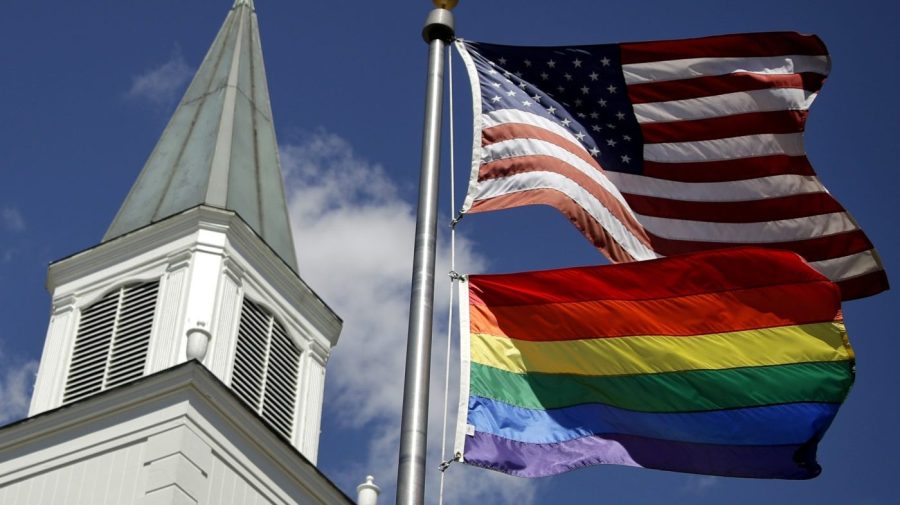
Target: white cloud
[(11, 219), (160, 85), (16, 383), (355, 239)]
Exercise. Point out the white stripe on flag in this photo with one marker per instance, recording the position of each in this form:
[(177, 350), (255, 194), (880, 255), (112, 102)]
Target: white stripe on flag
[(534, 147), (729, 191), (551, 180), (731, 148), (784, 230), (504, 116), (762, 100), (848, 267), (657, 71)]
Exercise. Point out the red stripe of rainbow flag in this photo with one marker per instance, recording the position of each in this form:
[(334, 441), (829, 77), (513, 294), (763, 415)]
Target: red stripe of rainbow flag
[(731, 362)]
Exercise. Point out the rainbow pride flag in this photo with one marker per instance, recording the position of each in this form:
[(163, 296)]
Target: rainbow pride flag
[(731, 362)]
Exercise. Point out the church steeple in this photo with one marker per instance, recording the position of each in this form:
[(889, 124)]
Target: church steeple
[(219, 148), (199, 263)]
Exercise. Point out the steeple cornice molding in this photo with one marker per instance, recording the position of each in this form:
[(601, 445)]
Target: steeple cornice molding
[(135, 244), (63, 304), (183, 234), (234, 271), (178, 261), (319, 352)]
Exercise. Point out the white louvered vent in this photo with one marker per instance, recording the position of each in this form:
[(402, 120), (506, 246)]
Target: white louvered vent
[(266, 367), (112, 341)]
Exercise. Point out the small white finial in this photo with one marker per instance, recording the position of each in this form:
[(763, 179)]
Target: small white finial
[(197, 343), (367, 492)]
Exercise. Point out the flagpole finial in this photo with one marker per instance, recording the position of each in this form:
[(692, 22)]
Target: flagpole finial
[(439, 23), (445, 4)]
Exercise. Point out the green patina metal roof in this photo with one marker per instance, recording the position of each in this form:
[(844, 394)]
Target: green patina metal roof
[(219, 148)]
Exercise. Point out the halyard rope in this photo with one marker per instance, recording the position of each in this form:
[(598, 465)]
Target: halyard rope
[(454, 279)]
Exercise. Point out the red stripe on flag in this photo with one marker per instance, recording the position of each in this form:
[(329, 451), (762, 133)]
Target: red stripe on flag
[(723, 46), (754, 211), (706, 272), (585, 223), (781, 121), (722, 311), (815, 249), (516, 131), (729, 170), (525, 164), (719, 85), (865, 285)]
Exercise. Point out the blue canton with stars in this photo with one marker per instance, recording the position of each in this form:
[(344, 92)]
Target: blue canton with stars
[(581, 88)]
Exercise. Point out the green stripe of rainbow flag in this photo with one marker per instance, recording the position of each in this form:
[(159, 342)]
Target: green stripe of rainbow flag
[(689, 391)]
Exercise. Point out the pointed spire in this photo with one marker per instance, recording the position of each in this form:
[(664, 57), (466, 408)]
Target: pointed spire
[(219, 148)]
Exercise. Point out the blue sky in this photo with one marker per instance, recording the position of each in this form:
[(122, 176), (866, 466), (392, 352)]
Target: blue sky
[(88, 87)]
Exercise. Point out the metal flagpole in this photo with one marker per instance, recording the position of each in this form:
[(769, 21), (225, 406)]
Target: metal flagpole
[(438, 31)]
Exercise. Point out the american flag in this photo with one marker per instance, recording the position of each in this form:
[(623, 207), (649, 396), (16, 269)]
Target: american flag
[(660, 148)]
